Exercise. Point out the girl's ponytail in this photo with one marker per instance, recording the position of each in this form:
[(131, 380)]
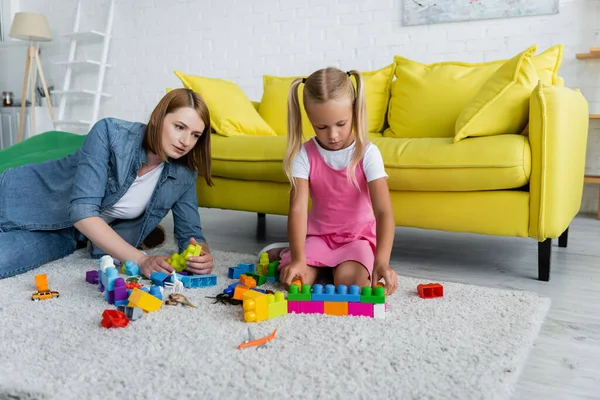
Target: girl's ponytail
[(359, 110), (294, 133)]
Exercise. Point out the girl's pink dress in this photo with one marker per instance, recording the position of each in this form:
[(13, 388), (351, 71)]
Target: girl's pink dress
[(341, 223)]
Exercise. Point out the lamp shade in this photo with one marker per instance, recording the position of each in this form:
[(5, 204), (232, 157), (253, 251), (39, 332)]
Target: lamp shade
[(30, 26)]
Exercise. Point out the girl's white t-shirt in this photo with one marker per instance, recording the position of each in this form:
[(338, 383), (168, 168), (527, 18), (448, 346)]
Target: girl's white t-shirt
[(135, 201), (339, 159)]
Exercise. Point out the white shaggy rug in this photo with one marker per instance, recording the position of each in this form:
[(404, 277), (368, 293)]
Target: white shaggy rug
[(472, 343)]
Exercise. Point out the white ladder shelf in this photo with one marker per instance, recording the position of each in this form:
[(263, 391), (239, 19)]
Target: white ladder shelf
[(73, 64)]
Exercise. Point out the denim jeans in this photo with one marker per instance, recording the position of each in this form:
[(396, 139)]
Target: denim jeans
[(23, 250)]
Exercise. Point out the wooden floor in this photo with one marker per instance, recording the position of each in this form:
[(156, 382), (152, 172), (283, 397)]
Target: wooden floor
[(565, 362)]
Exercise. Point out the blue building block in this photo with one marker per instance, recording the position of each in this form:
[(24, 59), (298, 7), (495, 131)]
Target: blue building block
[(159, 278), (272, 278), (199, 281), (122, 302), (231, 288), (342, 294), (131, 268), (235, 272), (155, 291)]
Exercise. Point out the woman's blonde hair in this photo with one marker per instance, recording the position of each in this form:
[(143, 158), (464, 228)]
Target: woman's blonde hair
[(199, 157), (320, 87)]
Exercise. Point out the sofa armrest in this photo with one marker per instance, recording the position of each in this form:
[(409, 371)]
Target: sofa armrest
[(558, 131)]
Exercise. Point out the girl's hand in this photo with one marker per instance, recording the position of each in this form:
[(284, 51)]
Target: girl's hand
[(390, 277), (292, 271), (150, 264), (202, 264)]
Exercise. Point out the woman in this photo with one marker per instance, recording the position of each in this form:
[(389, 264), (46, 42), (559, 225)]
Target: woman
[(113, 191)]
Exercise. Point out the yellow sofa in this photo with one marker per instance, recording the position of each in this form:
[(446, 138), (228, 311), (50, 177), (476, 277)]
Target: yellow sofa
[(525, 180)]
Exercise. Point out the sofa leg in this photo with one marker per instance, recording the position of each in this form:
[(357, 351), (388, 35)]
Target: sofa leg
[(564, 238), (261, 226), (544, 253)]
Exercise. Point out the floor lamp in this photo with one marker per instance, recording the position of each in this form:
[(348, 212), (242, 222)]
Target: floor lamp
[(32, 27)]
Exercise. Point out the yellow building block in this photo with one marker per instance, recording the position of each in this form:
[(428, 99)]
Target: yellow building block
[(255, 306), (335, 308), (278, 305), (143, 300)]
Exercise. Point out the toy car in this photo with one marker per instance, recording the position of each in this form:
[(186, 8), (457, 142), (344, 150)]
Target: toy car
[(47, 294)]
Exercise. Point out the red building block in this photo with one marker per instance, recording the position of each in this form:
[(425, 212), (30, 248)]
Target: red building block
[(114, 318), (430, 290)]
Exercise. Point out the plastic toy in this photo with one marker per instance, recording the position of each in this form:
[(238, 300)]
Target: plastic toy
[(144, 300), (132, 313), (178, 298), (114, 319), (260, 343), (177, 261), (43, 293), (430, 290)]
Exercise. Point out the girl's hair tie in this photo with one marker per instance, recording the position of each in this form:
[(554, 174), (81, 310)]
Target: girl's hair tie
[(303, 80), (348, 73)]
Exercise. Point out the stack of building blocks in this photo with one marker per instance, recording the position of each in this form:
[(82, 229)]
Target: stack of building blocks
[(267, 269), (340, 301), (178, 261), (145, 301), (430, 290)]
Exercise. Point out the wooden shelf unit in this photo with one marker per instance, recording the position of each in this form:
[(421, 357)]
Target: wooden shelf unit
[(592, 179)]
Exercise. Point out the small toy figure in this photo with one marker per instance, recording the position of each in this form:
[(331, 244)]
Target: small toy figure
[(178, 298)]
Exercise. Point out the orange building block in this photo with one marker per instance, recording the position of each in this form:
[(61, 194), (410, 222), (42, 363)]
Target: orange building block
[(336, 308), (430, 290), (248, 281), (143, 300), (41, 282), (256, 306), (239, 291)]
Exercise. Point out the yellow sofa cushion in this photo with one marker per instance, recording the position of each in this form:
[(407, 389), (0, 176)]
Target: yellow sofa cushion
[(231, 112), (502, 104), (273, 105), (426, 99), (423, 164)]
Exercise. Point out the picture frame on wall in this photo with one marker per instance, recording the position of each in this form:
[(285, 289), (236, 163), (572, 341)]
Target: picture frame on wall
[(425, 12)]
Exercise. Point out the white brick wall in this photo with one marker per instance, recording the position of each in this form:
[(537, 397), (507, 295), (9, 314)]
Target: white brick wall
[(241, 40)]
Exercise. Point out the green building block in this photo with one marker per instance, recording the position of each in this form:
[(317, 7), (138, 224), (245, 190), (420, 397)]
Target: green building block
[(178, 261), (260, 279), (272, 269), (368, 295), (306, 294)]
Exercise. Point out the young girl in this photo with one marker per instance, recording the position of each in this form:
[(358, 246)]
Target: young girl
[(350, 227), (114, 191)]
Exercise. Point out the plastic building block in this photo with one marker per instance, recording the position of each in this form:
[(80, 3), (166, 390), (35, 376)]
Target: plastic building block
[(340, 294), (263, 258), (155, 291), (132, 313), (130, 268), (120, 291), (335, 308), (255, 306), (105, 262), (91, 277), (178, 261), (430, 290), (248, 280), (231, 288), (236, 272), (306, 307), (260, 279), (305, 295), (373, 296), (272, 269), (41, 282), (145, 301), (379, 311), (159, 278), (239, 291), (360, 309), (114, 319), (198, 281), (277, 305)]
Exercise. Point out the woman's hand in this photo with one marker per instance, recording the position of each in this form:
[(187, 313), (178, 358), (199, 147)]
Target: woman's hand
[(292, 271), (202, 264), (150, 264), (383, 270)]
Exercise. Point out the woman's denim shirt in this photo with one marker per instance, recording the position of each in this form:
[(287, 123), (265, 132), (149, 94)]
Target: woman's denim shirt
[(55, 194)]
